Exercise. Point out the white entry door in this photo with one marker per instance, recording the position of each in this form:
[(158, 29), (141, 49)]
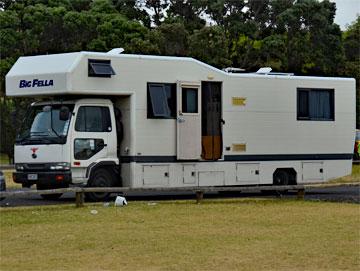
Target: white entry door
[(189, 121)]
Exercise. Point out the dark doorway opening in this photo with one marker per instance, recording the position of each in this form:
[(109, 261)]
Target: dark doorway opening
[(211, 120)]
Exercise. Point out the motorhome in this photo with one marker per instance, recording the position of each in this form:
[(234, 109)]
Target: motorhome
[(139, 121)]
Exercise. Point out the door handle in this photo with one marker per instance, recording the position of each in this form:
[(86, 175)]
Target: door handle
[(181, 120)]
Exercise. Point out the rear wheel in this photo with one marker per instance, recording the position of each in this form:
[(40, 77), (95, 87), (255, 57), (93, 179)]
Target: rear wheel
[(100, 178), (48, 196), (281, 177)]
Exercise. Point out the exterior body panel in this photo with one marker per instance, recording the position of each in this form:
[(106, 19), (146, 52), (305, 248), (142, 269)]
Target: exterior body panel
[(261, 133)]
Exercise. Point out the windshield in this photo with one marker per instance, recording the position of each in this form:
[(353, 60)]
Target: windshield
[(43, 124)]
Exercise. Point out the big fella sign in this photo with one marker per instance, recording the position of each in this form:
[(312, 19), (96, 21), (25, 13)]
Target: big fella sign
[(35, 83)]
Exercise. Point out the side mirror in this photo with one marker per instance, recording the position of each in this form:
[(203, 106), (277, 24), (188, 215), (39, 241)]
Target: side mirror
[(64, 113)]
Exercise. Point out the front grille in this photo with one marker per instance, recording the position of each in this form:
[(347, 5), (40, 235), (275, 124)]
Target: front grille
[(37, 167)]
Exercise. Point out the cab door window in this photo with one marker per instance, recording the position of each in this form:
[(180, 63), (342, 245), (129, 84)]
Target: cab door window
[(85, 148), (93, 119)]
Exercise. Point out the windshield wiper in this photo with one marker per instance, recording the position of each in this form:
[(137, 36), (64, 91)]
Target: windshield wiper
[(51, 123), (40, 133), (30, 140), (21, 139)]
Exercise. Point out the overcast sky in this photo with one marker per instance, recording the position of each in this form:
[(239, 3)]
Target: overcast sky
[(346, 12)]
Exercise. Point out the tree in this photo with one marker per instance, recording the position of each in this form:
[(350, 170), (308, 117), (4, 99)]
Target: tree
[(172, 39), (313, 40), (292, 36), (12, 112), (157, 9), (352, 64), (41, 27), (132, 10), (211, 46), (186, 12)]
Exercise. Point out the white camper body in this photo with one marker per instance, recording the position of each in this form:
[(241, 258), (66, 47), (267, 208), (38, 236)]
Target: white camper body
[(185, 123)]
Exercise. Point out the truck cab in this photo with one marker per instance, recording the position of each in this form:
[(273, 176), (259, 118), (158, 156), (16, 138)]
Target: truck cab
[(69, 142)]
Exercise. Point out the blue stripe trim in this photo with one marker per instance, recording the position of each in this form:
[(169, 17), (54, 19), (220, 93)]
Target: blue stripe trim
[(242, 158), (288, 157)]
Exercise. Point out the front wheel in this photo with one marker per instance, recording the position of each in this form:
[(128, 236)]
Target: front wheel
[(100, 178)]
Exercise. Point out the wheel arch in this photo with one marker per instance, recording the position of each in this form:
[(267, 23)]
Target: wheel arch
[(111, 166), (290, 171)]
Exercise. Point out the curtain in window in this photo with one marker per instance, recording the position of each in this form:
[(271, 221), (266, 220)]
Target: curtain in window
[(320, 104), (303, 104)]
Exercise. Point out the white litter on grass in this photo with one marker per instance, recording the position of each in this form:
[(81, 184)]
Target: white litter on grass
[(106, 204), (152, 203), (120, 201), (93, 212)]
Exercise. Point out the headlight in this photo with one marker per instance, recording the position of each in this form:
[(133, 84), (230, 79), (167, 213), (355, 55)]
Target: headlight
[(60, 166), (19, 167)]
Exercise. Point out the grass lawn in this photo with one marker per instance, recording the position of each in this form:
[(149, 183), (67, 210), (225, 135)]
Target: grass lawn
[(215, 235), (9, 180)]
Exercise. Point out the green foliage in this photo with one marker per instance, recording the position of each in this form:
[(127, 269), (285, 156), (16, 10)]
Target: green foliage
[(352, 64), (12, 112), (187, 13), (172, 39), (211, 46), (291, 36)]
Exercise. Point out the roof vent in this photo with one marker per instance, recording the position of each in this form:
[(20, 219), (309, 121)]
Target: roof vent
[(267, 71), (233, 70), (116, 51), (264, 70)]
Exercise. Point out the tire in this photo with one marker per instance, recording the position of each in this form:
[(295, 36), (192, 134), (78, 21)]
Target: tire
[(48, 196), (100, 178), (281, 177)]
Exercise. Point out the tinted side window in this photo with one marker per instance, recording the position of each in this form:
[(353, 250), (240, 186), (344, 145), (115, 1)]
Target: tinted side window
[(189, 100), (161, 100), (100, 68), (315, 104), (93, 119)]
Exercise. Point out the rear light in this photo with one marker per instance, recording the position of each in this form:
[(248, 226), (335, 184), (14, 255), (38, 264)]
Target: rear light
[(59, 178), (76, 163), (14, 177)]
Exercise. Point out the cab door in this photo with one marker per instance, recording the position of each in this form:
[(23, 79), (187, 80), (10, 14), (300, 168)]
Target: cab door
[(189, 121), (90, 140)]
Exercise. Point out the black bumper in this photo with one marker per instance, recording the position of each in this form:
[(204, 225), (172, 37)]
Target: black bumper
[(56, 179)]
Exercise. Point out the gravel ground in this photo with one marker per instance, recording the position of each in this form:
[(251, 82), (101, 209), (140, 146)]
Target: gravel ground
[(350, 194)]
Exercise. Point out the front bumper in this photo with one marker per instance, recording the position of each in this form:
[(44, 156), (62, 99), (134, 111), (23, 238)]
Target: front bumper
[(51, 179)]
